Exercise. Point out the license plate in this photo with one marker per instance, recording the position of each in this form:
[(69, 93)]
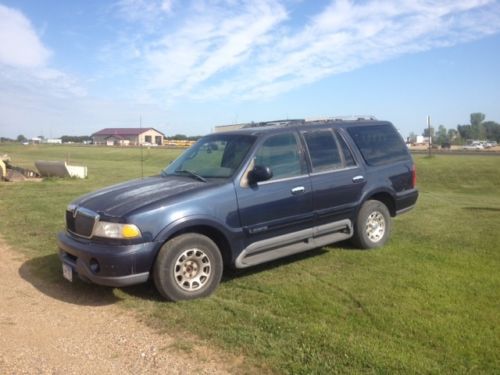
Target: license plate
[(67, 272)]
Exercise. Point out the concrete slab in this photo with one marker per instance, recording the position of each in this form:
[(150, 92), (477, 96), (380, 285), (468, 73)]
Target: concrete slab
[(60, 169)]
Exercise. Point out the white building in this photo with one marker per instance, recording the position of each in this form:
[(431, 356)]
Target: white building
[(128, 137)]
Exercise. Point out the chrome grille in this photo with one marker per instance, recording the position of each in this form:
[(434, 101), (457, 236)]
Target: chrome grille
[(81, 221)]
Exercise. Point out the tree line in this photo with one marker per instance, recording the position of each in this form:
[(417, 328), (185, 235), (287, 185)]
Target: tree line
[(85, 138), (64, 139), (477, 129), (182, 137)]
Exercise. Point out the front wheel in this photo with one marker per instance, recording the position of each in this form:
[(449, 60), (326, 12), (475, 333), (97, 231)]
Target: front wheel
[(188, 266), (373, 225)]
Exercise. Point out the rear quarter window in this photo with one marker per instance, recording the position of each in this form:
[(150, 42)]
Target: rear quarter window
[(379, 144)]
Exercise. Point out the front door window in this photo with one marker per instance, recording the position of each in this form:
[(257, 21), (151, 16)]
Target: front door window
[(281, 154)]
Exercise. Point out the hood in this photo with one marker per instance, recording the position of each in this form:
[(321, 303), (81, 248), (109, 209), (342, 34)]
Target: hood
[(119, 200)]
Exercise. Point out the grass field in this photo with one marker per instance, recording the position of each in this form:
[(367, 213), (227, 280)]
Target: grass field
[(428, 302)]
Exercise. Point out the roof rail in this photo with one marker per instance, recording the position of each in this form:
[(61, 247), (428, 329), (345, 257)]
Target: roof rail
[(274, 123), (341, 118), (295, 122)]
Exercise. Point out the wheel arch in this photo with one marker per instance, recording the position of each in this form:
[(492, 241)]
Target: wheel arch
[(386, 198), (203, 227)]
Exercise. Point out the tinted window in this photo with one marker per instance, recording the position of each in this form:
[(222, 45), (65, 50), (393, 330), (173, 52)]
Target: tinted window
[(281, 154), (323, 150), (349, 159), (379, 144)]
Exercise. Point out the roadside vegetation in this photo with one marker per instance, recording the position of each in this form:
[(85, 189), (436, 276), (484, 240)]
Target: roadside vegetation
[(477, 129), (428, 302)]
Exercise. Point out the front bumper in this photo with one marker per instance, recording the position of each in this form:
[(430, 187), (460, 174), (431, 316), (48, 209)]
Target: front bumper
[(115, 266)]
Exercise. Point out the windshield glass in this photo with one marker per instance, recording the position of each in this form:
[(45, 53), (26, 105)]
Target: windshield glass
[(213, 156)]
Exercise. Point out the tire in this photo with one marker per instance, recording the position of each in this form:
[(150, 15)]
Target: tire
[(373, 225), (187, 267)]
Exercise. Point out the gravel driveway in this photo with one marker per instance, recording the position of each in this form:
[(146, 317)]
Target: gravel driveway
[(44, 334)]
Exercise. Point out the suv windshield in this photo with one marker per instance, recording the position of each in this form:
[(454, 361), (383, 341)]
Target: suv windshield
[(213, 156)]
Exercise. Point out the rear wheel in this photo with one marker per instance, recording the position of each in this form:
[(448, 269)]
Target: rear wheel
[(373, 225), (188, 266)]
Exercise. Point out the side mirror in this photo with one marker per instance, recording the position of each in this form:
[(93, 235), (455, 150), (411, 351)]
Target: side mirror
[(259, 173)]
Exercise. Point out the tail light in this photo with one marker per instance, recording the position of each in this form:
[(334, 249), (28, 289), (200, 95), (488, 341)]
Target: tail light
[(413, 176)]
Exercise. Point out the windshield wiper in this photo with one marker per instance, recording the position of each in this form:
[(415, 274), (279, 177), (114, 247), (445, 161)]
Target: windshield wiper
[(192, 174)]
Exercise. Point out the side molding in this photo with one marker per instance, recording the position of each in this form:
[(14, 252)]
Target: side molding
[(293, 243)]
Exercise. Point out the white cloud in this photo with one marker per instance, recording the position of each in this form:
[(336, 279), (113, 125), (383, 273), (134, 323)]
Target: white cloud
[(348, 35), (19, 43), (213, 40), (147, 12), (167, 5), (24, 60), (172, 57), (251, 49)]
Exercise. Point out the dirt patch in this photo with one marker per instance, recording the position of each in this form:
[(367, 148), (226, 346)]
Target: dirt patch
[(41, 334)]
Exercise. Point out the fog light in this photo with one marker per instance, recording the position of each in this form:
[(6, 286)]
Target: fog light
[(94, 265)]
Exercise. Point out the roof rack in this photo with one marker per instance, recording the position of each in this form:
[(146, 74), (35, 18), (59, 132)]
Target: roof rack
[(295, 122), (341, 118), (275, 123)]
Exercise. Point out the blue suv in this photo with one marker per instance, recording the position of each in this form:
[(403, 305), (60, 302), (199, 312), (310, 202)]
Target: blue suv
[(241, 198)]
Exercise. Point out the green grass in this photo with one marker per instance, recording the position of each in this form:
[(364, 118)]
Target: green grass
[(428, 302)]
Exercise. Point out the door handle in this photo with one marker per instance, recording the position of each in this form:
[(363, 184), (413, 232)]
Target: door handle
[(298, 190), (358, 179)]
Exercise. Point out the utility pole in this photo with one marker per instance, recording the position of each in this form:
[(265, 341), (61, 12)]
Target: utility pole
[(429, 134), (140, 145)]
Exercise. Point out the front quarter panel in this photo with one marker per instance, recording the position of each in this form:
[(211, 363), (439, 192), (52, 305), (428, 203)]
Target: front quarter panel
[(214, 206)]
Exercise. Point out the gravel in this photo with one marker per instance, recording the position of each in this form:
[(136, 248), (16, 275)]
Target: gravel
[(42, 333)]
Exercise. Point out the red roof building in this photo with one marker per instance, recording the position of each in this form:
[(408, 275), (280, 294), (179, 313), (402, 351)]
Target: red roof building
[(128, 137)]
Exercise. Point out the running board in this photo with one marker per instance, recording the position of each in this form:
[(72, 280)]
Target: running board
[(293, 243)]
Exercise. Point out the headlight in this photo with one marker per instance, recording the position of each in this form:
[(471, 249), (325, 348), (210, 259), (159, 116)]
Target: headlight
[(116, 230)]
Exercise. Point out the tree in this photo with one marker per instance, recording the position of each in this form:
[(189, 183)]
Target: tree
[(453, 136), (180, 137), (477, 118), (183, 137), (441, 135), (492, 130), (75, 138), (21, 138), (426, 133), (412, 138), (476, 122), (479, 129), (465, 131)]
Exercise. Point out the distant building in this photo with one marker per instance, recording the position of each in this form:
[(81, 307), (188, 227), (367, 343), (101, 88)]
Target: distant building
[(420, 140), (128, 137), (53, 140)]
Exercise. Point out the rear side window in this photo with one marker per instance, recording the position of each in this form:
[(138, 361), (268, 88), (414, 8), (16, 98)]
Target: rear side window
[(379, 144), (323, 150)]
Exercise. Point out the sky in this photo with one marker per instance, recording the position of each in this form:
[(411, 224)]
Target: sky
[(185, 66)]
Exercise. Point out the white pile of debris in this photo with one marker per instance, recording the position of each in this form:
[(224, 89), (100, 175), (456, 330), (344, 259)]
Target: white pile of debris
[(9, 172), (60, 169)]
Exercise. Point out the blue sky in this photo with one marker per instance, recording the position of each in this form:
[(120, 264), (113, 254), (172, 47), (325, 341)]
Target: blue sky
[(184, 66)]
